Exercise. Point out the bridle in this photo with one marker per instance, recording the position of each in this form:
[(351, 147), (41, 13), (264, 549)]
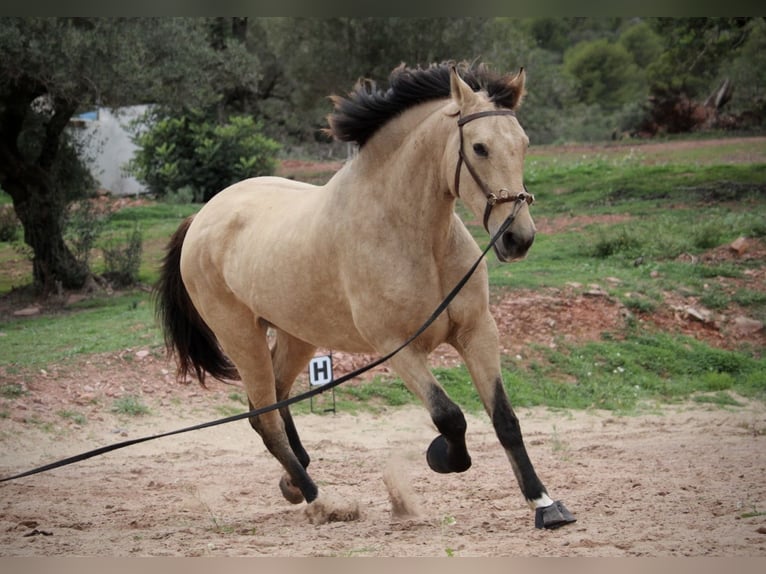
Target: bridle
[(493, 198)]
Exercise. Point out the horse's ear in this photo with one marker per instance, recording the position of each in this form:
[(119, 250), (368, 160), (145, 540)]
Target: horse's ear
[(461, 93), (517, 86)]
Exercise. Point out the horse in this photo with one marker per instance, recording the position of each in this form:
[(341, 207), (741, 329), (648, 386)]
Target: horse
[(359, 263)]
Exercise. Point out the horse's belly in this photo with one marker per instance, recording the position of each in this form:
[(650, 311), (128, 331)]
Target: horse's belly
[(316, 317)]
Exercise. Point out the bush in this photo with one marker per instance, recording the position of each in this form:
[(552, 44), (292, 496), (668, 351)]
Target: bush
[(604, 73), (83, 224), (122, 262), (190, 151), (9, 224)]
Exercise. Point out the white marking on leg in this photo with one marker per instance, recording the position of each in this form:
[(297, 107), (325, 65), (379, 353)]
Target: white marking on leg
[(541, 502)]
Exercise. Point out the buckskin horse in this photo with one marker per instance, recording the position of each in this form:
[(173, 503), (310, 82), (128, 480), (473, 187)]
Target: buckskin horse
[(359, 263)]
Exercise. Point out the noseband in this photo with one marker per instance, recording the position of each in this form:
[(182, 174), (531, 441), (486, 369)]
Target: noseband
[(493, 198)]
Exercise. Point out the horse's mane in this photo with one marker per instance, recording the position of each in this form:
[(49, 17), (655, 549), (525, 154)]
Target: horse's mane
[(359, 115)]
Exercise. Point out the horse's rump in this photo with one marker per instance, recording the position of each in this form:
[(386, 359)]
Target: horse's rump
[(186, 333)]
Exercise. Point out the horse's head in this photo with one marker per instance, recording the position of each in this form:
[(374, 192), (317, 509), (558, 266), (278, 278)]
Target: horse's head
[(489, 169)]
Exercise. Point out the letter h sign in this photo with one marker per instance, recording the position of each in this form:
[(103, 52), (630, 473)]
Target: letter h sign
[(320, 373)]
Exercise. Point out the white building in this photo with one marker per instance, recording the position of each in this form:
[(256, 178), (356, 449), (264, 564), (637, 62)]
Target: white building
[(108, 146)]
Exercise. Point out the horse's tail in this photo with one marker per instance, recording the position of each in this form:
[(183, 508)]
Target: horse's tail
[(186, 333)]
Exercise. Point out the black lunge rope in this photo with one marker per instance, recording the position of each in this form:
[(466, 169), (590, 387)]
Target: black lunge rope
[(297, 398)]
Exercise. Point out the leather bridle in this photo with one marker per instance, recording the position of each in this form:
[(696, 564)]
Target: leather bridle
[(493, 198)]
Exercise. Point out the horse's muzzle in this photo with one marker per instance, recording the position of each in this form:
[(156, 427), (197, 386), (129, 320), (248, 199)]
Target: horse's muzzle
[(513, 246)]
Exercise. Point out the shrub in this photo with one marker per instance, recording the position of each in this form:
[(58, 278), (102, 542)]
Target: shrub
[(83, 225), (122, 261), (9, 224), (190, 151), (130, 405)]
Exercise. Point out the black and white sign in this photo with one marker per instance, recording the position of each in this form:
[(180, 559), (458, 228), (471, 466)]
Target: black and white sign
[(320, 370)]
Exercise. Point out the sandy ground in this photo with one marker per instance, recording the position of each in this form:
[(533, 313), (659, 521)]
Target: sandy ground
[(684, 480)]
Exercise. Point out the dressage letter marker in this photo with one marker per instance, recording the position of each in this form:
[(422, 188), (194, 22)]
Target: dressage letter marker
[(320, 371)]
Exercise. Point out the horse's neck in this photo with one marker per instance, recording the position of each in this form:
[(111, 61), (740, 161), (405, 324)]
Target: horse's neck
[(399, 171)]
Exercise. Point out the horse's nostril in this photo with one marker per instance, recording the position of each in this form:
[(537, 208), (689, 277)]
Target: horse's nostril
[(516, 246)]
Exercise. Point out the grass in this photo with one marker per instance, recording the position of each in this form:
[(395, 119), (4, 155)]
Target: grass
[(624, 375), (74, 416), (130, 405), (12, 391), (101, 324), (672, 208)]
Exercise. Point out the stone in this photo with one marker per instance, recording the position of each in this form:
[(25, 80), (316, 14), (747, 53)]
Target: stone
[(27, 312)]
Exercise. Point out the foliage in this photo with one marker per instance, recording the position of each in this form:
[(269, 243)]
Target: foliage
[(54, 67), (604, 73), (190, 152), (642, 43), (122, 262), (694, 49), (9, 224), (83, 225), (130, 405), (748, 71), (317, 57)]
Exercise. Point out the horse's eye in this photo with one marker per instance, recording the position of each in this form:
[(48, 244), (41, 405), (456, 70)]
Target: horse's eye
[(480, 150)]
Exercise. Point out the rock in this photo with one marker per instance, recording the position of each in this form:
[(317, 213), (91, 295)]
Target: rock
[(701, 315), (27, 312), (595, 290), (75, 298), (142, 354), (739, 245), (747, 325)]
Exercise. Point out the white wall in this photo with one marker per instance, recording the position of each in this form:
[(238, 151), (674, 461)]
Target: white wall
[(108, 147)]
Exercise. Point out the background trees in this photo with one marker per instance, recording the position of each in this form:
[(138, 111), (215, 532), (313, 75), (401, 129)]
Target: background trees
[(52, 68), (214, 79)]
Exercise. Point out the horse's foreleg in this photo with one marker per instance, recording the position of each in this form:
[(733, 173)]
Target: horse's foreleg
[(448, 451), (479, 349)]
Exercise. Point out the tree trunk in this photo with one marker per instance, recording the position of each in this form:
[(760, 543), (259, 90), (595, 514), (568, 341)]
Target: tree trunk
[(37, 199), (42, 213)]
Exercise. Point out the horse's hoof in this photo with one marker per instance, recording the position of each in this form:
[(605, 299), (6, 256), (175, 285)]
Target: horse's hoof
[(291, 493), (438, 458), (553, 516)]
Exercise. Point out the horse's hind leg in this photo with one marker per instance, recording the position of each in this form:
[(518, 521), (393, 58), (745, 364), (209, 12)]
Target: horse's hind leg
[(289, 357), (246, 344), (479, 348)]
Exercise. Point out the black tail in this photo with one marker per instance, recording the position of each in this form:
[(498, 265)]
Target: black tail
[(186, 333)]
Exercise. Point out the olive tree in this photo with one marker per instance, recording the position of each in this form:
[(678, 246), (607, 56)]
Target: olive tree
[(54, 68)]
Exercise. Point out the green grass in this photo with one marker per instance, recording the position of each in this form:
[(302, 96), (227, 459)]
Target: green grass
[(623, 375), (12, 391), (130, 405), (74, 416), (98, 325), (672, 208)]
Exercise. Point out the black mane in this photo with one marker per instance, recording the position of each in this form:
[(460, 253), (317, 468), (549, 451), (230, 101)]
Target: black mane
[(359, 115)]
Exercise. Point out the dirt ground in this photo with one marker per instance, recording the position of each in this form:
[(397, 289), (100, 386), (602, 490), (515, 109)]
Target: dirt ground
[(686, 480), (678, 480), (682, 480)]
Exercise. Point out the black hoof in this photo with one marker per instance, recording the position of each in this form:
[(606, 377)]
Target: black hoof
[(291, 492), (553, 516), (440, 459)]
